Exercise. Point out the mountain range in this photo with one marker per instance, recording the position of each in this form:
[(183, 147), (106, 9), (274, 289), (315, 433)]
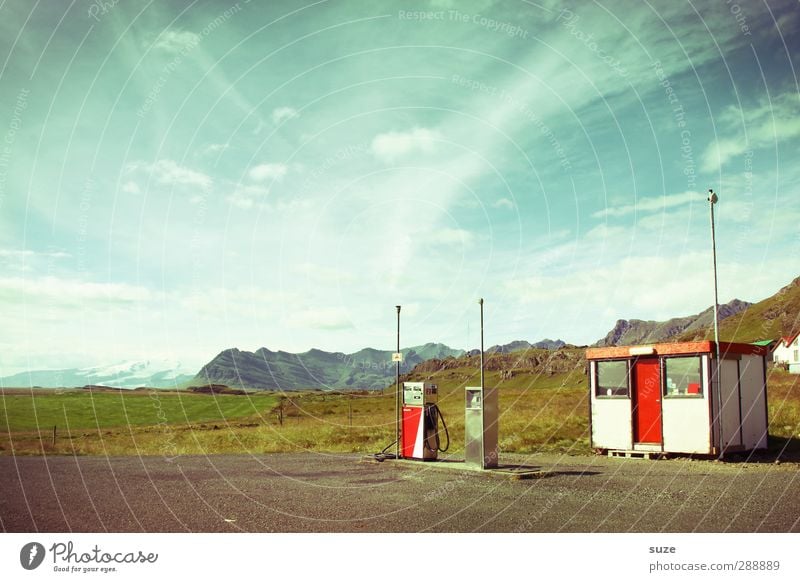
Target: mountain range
[(131, 374), (264, 369), (627, 332), (771, 318), (515, 346), (372, 369)]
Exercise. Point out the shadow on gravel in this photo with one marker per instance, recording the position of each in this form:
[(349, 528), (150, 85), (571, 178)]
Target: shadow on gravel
[(779, 449), (574, 473), (552, 471)]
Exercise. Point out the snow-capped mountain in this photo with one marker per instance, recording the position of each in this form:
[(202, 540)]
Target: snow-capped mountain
[(131, 374)]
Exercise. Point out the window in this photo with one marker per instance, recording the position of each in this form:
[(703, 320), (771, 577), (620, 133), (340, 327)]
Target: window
[(795, 355), (612, 378), (684, 377)]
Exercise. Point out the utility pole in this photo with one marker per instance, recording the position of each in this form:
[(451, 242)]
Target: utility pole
[(480, 302), (397, 394), (712, 199)]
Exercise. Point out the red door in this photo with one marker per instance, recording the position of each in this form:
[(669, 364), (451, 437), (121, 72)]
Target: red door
[(647, 401)]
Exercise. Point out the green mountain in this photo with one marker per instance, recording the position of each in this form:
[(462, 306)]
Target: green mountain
[(519, 345), (628, 332), (771, 318), (535, 361), (315, 369)]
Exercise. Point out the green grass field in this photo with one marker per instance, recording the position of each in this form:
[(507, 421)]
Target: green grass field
[(539, 413), (79, 410)]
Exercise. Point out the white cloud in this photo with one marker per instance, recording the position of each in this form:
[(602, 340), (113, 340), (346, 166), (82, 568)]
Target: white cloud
[(281, 114), (326, 318), (603, 232), (247, 196), (241, 301), (59, 291), (175, 41), (392, 145), (30, 261), (264, 172), (720, 152), (324, 274), (504, 203), (651, 204), (214, 148), (292, 205), (170, 173), (27, 253), (764, 125), (131, 187), (451, 236), (588, 301)]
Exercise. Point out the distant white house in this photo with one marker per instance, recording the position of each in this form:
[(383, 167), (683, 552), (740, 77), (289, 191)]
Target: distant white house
[(788, 352)]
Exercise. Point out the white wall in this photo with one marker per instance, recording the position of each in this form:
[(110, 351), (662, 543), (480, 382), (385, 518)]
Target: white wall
[(729, 393), (611, 419), (786, 354), (686, 428), (754, 418), (686, 421)]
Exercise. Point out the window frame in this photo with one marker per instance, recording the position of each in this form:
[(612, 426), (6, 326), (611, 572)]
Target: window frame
[(627, 395), (664, 377)]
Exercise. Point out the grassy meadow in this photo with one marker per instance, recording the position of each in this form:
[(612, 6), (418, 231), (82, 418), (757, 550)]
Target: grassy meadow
[(30, 410), (539, 413)]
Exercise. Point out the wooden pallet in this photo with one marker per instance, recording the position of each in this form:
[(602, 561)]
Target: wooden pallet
[(649, 455)]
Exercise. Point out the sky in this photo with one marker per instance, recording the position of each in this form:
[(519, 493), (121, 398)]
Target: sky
[(178, 178)]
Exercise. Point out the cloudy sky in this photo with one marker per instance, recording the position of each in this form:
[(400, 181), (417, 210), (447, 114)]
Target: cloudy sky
[(181, 177)]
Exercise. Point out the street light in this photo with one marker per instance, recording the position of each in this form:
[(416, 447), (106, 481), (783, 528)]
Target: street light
[(713, 199), (397, 393), (480, 302)]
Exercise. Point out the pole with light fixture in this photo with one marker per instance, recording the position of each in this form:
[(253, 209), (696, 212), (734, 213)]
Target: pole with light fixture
[(397, 393), (713, 199), (480, 302)]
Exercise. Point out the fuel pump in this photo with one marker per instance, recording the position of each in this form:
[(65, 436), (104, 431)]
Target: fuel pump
[(420, 422)]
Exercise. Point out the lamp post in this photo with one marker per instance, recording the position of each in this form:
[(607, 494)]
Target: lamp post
[(397, 393), (713, 199), (480, 302)]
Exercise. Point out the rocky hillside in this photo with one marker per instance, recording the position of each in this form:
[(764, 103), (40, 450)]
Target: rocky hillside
[(531, 361), (771, 318), (315, 369), (628, 332), (519, 345)]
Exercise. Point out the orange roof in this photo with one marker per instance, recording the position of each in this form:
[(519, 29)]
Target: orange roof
[(789, 339), (672, 349)]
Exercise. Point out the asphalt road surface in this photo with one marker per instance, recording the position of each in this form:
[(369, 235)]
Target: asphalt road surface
[(311, 492)]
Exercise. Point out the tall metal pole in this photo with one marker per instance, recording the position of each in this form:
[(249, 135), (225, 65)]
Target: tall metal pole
[(397, 394), (480, 302), (712, 199)]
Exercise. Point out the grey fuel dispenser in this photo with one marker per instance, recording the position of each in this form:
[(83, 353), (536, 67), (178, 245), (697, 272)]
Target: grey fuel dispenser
[(480, 428)]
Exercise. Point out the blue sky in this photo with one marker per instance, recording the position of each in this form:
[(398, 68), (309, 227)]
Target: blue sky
[(178, 178)]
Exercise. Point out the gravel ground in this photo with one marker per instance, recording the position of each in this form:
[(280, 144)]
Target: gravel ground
[(310, 492)]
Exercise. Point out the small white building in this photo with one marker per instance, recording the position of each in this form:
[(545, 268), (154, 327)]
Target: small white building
[(666, 398), (787, 352)]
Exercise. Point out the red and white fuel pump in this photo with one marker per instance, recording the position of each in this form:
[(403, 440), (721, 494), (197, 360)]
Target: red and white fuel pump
[(420, 422)]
